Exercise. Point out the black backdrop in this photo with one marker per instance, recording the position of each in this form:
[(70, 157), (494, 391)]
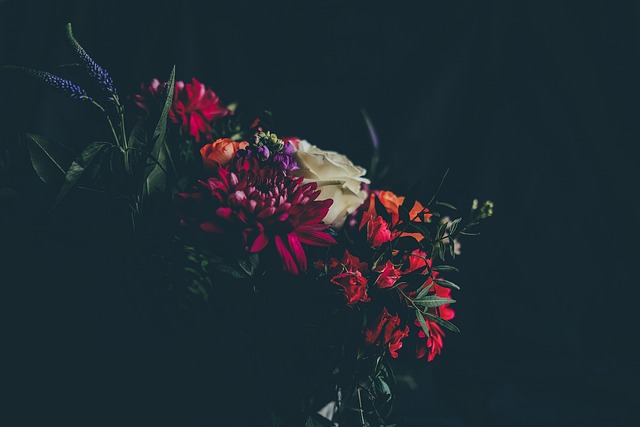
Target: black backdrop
[(533, 105)]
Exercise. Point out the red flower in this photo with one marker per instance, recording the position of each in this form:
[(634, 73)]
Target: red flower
[(354, 285), (433, 345), (388, 276), (259, 207), (386, 331), (353, 263), (417, 260), (194, 106), (378, 232)]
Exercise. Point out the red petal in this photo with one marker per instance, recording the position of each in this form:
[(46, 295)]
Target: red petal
[(298, 251), (312, 236), (259, 244), (287, 260)]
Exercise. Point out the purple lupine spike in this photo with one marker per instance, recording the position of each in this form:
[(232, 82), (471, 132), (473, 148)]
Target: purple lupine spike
[(95, 71), (67, 87)]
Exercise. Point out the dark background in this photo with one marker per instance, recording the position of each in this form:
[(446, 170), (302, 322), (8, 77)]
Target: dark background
[(533, 105)]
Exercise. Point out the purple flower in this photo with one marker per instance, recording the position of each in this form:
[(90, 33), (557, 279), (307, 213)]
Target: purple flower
[(65, 86), (95, 71)]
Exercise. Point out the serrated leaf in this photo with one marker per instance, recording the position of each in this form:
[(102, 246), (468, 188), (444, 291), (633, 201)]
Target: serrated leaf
[(431, 301), (453, 226), (424, 291), (441, 252), (50, 159), (422, 322), (446, 283), (444, 268), (444, 323), (81, 166)]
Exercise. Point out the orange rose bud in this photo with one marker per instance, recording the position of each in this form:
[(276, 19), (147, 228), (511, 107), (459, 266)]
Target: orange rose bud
[(220, 152)]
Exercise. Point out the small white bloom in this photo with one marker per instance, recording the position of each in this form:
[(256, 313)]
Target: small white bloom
[(337, 178)]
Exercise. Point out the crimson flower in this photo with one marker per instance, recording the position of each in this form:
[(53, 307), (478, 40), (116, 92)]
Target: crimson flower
[(257, 207), (354, 285), (353, 263), (389, 274), (433, 345), (194, 106), (386, 331)]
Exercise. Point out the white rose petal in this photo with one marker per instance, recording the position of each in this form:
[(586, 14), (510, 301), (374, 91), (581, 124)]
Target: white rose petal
[(337, 178)]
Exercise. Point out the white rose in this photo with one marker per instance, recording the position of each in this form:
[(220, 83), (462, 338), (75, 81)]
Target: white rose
[(337, 178)]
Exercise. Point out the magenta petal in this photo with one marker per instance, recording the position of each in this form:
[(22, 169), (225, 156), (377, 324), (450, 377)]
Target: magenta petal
[(298, 251), (210, 227), (259, 244), (310, 236), (266, 212), (287, 260), (224, 213)]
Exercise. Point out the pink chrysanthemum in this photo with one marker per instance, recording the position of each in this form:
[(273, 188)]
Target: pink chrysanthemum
[(258, 207)]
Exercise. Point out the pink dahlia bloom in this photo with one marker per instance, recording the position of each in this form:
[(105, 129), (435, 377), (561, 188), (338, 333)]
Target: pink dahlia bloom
[(194, 106), (258, 208)]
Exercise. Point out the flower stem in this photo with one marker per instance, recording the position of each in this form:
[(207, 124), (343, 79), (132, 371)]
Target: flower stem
[(113, 130)]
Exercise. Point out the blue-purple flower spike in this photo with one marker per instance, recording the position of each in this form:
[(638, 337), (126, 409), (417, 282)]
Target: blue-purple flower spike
[(95, 71), (67, 87)]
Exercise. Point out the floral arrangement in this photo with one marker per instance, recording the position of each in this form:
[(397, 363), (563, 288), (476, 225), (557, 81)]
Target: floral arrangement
[(281, 245)]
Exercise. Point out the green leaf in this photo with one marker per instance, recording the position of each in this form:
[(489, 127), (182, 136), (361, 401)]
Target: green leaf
[(433, 301), (317, 420), (138, 136), (444, 267), (423, 323), (447, 205), (81, 166), (249, 264), (382, 391), (440, 247), (453, 226), (243, 268), (424, 291), (50, 159), (444, 323), (466, 233), (446, 283), (156, 179)]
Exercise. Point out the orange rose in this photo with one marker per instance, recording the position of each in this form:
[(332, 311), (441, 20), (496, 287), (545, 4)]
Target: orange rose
[(220, 152)]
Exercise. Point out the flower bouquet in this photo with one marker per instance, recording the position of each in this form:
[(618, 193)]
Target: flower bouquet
[(300, 277)]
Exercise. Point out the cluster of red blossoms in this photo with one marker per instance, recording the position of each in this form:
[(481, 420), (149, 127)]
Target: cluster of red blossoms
[(250, 199), (355, 278)]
